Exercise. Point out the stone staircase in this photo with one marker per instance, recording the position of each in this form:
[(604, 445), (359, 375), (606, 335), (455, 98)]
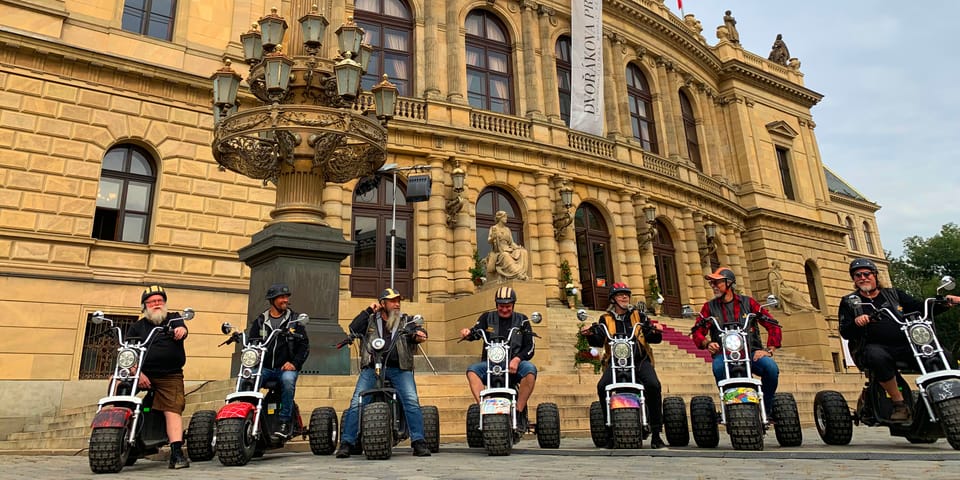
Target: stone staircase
[(682, 369)]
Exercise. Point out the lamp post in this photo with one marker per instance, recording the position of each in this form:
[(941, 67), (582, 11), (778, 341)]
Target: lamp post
[(393, 168), (304, 127)]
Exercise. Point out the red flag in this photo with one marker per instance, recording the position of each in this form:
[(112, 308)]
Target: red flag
[(680, 5)]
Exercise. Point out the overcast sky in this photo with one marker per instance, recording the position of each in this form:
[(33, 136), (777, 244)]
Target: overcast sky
[(888, 123)]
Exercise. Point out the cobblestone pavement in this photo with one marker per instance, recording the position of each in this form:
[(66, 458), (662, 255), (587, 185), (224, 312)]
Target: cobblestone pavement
[(872, 454)]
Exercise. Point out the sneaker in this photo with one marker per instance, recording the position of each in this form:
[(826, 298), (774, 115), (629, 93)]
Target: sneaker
[(178, 460), (285, 430), (420, 449), (656, 442), (523, 422), (900, 412), (344, 450)]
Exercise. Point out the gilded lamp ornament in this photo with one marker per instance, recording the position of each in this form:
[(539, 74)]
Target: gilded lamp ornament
[(650, 218), (562, 218), (310, 126)]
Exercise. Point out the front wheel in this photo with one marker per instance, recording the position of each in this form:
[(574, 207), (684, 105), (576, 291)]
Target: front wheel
[(744, 427), (497, 434), (949, 413), (323, 430), (199, 435), (109, 449), (703, 419), (474, 435), (235, 440), (627, 430), (548, 425), (431, 427), (675, 422), (832, 417), (376, 431), (786, 420)]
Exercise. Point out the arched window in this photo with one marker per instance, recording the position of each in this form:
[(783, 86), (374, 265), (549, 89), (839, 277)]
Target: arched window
[(808, 270), (389, 30), (489, 71), (372, 221), (851, 234), (868, 239), (690, 130), (564, 72), (125, 196), (641, 109), (491, 201)]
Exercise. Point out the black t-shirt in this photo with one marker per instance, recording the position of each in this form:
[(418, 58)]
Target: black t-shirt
[(165, 355)]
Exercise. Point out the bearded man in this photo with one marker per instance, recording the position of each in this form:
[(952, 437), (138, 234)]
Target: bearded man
[(162, 368)]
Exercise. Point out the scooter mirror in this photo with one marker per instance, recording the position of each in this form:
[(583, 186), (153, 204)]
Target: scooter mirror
[(418, 320), (772, 300), (582, 315), (947, 283), (226, 328), (641, 307), (660, 300), (303, 318), (97, 317), (188, 314), (535, 317), (378, 343), (687, 312), (853, 300)]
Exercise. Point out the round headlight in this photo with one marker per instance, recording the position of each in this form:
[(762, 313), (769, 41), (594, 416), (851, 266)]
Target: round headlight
[(249, 358), (621, 350), (126, 358), (921, 335), (378, 343), (497, 353), (733, 343)]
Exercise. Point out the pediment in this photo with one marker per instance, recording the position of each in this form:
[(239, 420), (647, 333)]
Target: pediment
[(782, 129)]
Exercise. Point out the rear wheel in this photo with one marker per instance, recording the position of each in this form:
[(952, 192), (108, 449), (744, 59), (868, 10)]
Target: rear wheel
[(235, 441), (832, 417), (675, 422), (323, 430), (199, 435), (376, 431), (949, 413), (548, 425), (744, 427), (431, 427), (497, 434), (703, 420), (474, 435), (786, 420), (626, 428), (109, 450), (598, 425)]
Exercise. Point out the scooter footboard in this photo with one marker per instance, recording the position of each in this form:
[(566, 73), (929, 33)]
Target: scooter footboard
[(114, 417)]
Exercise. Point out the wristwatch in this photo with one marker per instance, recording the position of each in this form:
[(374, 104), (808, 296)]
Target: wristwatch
[(770, 351)]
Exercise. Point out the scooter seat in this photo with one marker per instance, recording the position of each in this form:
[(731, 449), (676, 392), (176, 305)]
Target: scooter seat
[(270, 385)]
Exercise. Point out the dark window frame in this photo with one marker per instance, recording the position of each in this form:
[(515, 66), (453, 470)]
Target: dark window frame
[(487, 46), (103, 215), (486, 220), (786, 175), (564, 72), (369, 282), (690, 130), (852, 235), (147, 17), (98, 355), (638, 93), (382, 21)]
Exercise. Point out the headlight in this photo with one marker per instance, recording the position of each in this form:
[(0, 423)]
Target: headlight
[(733, 343), (621, 350), (497, 353), (126, 358), (921, 335), (249, 358)]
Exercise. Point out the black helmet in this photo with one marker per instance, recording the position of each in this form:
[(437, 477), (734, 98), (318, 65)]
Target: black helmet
[(722, 273), (862, 263), (505, 295), (151, 291), (277, 290), (618, 288)]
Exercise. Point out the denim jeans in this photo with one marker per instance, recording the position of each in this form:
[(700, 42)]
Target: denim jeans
[(766, 368), (288, 386), (524, 368), (406, 387)]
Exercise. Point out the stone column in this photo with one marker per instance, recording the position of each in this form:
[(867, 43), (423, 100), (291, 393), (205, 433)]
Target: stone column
[(698, 285), (531, 79), (647, 264), (436, 241), (433, 80), (691, 249), (734, 238), (464, 233), (337, 15), (663, 98), (549, 267), (548, 66), (630, 248), (456, 71), (614, 90)]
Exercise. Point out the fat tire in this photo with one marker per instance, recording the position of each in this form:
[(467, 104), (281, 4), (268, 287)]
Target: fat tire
[(949, 413), (548, 425), (431, 427), (598, 425), (675, 422), (323, 430), (199, 437), (235, 442), (474, 435), (376, 431), (626, 428), (497, 434), (786, 420), (109, 450), (703, 422), (832, 418), (744, 427)]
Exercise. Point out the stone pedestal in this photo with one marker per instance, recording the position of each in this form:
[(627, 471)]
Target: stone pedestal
[(307, 258)]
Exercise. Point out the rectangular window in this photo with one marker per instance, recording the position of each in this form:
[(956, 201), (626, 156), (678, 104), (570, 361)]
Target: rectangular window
[(100, 347), (783, 161), (153, 18)]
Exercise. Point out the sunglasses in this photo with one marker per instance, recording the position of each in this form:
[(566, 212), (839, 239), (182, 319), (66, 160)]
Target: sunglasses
[(716, 282), (862, 274)]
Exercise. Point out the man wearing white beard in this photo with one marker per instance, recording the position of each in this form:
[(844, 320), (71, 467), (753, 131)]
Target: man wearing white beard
[(162, 368)]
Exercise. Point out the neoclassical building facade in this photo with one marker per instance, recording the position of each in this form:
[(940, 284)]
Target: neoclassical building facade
[(708, 157)]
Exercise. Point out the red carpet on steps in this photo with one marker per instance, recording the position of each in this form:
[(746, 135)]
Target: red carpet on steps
[(683, 341)]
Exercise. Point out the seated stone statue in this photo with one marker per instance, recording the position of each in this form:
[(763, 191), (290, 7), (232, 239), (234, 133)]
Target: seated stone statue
[(506, 260), (791, 299)]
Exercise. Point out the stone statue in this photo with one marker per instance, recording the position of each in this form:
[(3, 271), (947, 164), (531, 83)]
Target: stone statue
[(731, 24), (693, 24), (779, 53), (506, 260), (791, 299)]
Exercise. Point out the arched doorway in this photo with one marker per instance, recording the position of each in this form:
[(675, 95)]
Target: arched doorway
[(593, 256), (665, 260), (372, 219)]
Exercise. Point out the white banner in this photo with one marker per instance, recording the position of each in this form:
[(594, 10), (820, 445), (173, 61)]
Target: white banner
[(586, 65)]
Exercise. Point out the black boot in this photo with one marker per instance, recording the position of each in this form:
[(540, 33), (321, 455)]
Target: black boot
[(285, 430), (420, 449), (344, 450), (655, 441), (177, 459)]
